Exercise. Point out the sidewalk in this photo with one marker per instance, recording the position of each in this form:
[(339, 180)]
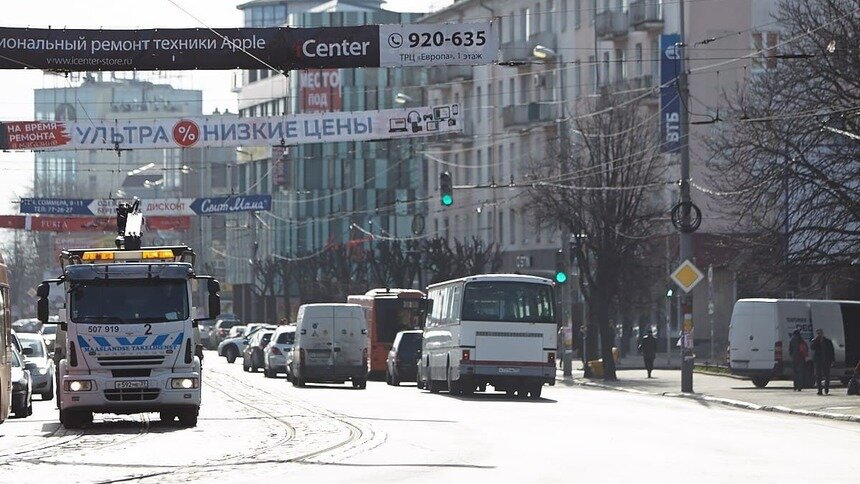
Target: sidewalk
[(777, 396)]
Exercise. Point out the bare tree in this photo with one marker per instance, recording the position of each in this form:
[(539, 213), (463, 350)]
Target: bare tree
[(787, 162), (603, 189), (20, 254), (464, 259)]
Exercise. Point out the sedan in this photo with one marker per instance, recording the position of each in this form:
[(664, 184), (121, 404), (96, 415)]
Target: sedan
[(37, 360), (252, 357), (22, 388), (275, 355)]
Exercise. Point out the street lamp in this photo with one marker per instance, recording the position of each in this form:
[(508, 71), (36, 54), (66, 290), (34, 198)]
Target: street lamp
[(542, 52), (402, 99)]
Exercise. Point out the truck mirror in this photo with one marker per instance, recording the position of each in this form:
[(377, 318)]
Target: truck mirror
[(213, 286), (214, 304), (42, 309), (43, 290)]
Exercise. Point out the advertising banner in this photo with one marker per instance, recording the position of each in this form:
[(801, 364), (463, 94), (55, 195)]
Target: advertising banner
[(86, 224), (157, 210), (670, 101), (231, 204), (226, 131), (282, 48), (319, 91)]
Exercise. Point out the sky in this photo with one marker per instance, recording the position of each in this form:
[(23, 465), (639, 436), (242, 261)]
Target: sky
[(16, 86)]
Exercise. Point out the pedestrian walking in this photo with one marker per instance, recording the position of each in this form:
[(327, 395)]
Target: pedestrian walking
[(648, 348), (798, 350), (823, 358)]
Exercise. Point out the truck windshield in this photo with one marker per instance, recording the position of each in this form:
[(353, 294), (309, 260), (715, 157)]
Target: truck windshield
[(129, 301)]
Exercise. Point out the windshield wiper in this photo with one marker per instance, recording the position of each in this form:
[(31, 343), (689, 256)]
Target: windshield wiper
[(84, 319)]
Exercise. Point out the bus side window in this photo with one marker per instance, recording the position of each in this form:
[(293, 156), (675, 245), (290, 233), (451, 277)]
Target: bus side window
[(456, 301), (437, 308), (445, 312)]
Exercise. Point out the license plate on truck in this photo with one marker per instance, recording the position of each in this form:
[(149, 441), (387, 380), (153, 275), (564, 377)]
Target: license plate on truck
[(130, 384)]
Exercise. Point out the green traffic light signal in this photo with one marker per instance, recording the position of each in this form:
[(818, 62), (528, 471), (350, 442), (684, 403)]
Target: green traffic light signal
[(560, 268), (560, 277), (446, 189)]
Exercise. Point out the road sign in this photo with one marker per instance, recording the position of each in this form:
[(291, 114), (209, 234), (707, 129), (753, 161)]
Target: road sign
[(687, 276)]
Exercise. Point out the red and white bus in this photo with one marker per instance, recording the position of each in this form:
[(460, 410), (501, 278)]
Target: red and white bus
[(389, 311)]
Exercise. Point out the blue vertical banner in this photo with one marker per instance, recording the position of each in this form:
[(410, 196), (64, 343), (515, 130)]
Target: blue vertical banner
[(671, 64)]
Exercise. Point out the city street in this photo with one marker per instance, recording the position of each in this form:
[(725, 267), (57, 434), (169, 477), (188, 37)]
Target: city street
[(253, 428)]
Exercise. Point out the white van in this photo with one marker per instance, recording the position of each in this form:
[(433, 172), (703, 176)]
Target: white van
[(331, 345), (760, 330)]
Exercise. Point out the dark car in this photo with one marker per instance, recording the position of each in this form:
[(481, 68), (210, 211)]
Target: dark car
[(22, 387), (403, 357), (252, 357)]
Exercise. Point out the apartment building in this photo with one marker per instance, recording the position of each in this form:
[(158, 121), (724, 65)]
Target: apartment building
[(556, 57)]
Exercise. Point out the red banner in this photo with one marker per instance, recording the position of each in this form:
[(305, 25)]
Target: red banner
[(319, 91), (32, 135), (86, 224)]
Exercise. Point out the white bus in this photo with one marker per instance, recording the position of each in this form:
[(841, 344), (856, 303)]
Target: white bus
[(497, 330)]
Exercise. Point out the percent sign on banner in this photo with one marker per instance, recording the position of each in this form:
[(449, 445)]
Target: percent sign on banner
[(186, 133)]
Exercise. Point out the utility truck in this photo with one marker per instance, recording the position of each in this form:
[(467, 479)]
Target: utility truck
[(128, 339)]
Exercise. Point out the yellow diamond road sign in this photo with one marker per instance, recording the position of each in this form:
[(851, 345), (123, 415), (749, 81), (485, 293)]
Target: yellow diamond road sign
[(687, 276)]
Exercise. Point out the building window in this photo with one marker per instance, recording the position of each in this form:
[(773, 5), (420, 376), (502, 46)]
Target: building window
[(593, 10), (524, 89), (620, 71), (550, 12), (501, 238), (490, 170), (501, 163), (605, 68), (536, 18), (512, 160), (512, 90), (564, 14), (501, 93), (577, 78), (639, 67), (513, 226), (592, 73), (577, 13), (479, 104), (525, 24)]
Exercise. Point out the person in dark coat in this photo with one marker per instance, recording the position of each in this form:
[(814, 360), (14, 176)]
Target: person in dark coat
[(823, 358), (648, 348), (798, 350)]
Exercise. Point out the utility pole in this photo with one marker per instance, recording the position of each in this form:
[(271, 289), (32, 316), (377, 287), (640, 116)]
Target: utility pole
[(686, 236)]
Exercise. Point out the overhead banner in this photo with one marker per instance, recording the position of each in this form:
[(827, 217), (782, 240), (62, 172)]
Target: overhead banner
[(283, 48), (670, 100), (153, 208), (86, 224), (224, 131)]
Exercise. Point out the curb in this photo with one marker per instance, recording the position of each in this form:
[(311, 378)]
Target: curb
[(722, 401)]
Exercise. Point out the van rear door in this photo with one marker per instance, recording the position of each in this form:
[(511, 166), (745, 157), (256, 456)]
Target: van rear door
[(318, 337), (350, 336), (753, 335)]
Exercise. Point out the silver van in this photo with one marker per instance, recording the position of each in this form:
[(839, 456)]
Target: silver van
[(331, 345)]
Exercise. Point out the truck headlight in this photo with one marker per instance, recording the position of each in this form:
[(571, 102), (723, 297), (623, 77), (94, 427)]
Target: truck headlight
[(78, 385), (42, 371), (184, 383)]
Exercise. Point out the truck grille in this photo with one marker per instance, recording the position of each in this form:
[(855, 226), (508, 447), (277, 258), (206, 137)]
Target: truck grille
[(155, 360), (499, 334), (132, 394)]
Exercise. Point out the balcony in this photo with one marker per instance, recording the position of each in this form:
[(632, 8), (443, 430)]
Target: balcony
[(446, 74), (519, 115), (611, 25), (517, 51), (646, 14)]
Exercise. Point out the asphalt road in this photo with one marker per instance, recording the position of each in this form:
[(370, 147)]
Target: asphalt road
[(254, 429)]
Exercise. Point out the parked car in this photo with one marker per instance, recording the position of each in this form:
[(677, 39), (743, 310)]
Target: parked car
[(275, 355), (403, 358), (222, 327), (27, 325), (331, 345), (232, 348), (252, 357), (15, 343), (49, 332), (22, 387), (237, 331), (38, 361)]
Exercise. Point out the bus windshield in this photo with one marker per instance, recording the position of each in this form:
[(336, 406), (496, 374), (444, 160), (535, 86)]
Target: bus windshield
[(129, 301), (395, 315), (518, 302)]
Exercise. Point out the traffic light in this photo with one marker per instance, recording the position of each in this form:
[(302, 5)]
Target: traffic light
[(560, 268), (446, 189)]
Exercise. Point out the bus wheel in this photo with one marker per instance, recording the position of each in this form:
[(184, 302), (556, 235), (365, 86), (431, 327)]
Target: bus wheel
[(455, 387), (433, 386), (394, 380)]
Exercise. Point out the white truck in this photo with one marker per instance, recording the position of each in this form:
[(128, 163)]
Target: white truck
[(128, 340), (760, 331)]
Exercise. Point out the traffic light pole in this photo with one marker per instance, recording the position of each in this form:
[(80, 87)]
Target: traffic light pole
[(566, 300)]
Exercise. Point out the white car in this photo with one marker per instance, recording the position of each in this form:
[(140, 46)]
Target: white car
[(234, 347), (275, 354)]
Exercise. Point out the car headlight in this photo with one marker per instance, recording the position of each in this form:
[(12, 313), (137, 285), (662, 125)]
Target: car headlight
[(78, 385), (184, 383)]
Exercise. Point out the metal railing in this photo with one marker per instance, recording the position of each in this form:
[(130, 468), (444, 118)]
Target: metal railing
[(610, 24), (525, 114), (646, 13)]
